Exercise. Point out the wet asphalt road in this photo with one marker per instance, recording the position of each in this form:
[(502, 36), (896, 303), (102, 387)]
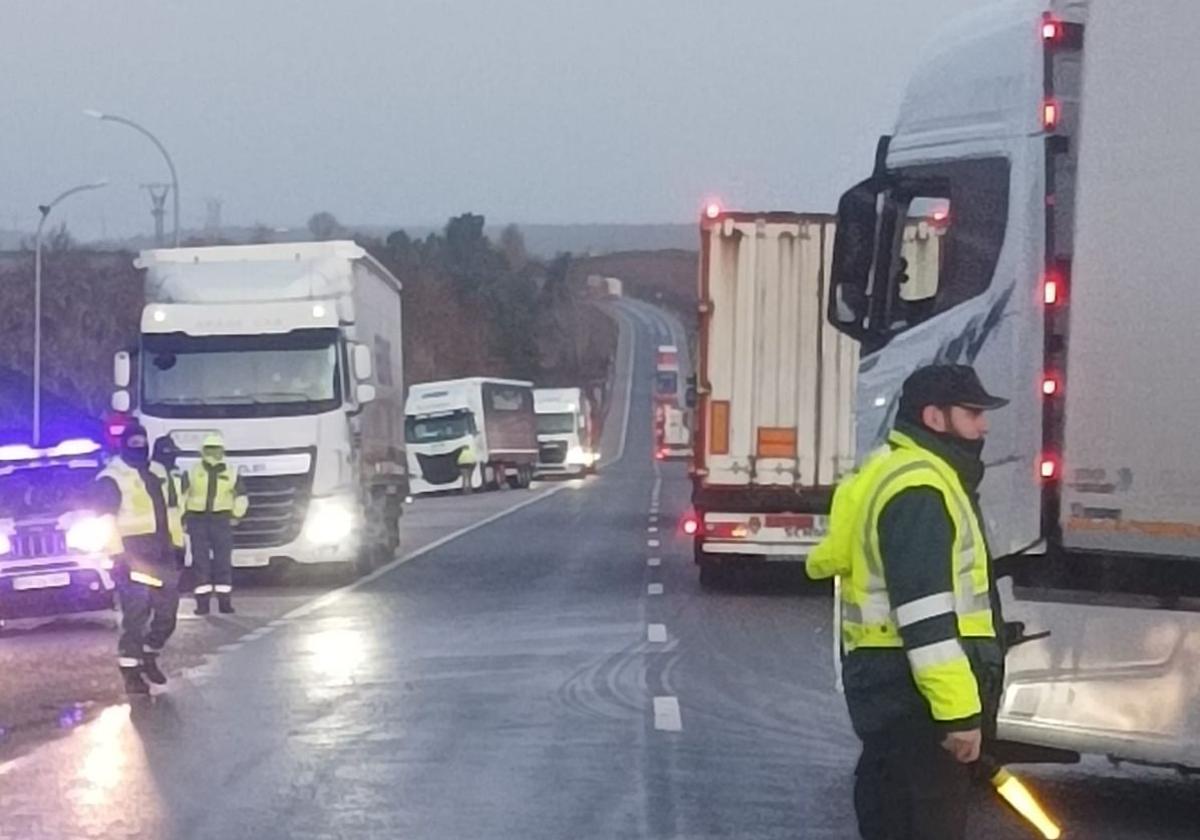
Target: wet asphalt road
[(526, 679)]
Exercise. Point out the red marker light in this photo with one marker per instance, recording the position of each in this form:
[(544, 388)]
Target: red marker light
[(690, 526), (1051, 292), (1049, 468), (1050, 114), (712, 210), (1052, 30), (941, 215), (1050, 386)]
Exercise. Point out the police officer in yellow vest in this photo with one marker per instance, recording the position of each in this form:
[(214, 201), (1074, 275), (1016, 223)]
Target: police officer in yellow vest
[(214, 501), (922, 659), (466, 467), (143, 501)]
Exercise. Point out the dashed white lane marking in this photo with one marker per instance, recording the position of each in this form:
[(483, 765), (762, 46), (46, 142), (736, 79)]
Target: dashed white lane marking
[(653, 518), (654, 561), (653, 529), (654, 589), (230, 647), (666, 714), (656, 633), (653, 543)]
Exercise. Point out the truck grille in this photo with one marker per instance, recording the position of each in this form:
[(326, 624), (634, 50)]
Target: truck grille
[(439, 469), (552, 452), (31, 543), (278, 504)]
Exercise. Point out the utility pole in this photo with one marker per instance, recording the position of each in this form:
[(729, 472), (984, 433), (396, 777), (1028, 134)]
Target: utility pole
[(158, 208)]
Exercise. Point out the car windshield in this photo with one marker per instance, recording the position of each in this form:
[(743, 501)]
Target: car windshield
[(556, 424), (49, 491), (438, 428), (240, 377)]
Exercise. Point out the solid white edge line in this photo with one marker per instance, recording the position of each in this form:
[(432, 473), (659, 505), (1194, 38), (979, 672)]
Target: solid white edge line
[(654, 589), (630, 367), (666, 714), (336, 595), (656, 633)]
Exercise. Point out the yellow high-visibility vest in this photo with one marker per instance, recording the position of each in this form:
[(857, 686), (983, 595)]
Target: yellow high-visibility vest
[(851, 550), (223, 494)]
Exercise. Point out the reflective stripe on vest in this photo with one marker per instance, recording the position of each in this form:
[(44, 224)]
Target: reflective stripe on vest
[(868, 619)]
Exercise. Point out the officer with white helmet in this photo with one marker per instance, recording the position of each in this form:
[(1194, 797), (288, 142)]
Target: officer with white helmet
[(214, 500)]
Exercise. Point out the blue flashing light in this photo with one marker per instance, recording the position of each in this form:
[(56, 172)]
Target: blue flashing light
[(70, 448)]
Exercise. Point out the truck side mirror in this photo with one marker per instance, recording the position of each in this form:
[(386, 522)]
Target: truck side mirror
[(121, 401), (364, 393), (122, 370), (854, 249), (362, 363)]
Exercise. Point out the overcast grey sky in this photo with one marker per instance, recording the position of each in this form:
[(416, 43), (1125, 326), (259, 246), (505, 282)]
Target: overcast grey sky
[(408, 111)]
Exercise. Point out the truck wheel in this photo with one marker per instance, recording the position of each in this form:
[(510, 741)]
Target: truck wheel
[(517, 481), (712, 575), (489, 478)]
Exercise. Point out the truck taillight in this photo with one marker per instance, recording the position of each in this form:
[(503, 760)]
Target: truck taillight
[(712, 210), (690, 525), (1051, 385), (1052, 29)]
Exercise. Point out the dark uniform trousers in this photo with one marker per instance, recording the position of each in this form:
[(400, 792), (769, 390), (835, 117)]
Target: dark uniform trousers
[(212, 551), (147, 612), (907, 787)]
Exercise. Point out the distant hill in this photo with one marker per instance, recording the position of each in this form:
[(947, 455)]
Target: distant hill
[(540, 240)]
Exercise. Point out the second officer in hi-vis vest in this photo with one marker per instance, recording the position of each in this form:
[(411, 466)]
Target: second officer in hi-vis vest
[(142, 499), (922, 664), (214, 500)]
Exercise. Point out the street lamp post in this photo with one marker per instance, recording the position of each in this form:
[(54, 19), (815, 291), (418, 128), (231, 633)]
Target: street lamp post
[(100, 115), (44, 209)]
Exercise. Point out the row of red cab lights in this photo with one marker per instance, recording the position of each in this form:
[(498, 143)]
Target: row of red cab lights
[(1053, 291)]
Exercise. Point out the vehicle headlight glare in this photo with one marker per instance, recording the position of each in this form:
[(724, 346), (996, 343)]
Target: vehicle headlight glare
[(329, 522), (90, 535)]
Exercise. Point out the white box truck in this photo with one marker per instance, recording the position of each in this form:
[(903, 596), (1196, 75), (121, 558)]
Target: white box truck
[(774, 430), (1060, 137), (292, 352), (492, 418), (566, 438)]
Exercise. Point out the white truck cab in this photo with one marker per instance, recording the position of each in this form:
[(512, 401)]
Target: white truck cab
[(292, 353), (1056, 141), (566, 444)]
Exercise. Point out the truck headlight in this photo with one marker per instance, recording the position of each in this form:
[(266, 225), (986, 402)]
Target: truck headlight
[(90, 535), (5, 545), (329, 521), (577, 455)]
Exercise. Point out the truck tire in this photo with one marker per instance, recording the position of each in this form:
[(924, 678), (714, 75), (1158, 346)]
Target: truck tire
[(712, 575), (488, 478)]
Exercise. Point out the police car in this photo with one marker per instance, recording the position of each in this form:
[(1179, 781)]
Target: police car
[(53, 556)]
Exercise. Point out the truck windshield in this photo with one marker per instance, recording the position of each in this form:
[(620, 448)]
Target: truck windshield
[(45, 491), (241, 376), (556, 424), (433, 429)]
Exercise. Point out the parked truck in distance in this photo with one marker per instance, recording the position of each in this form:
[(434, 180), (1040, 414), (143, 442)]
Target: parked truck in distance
[(493, 419), (666, 374), (567, 443), (292, 352), (672, 434), (1083, 145)]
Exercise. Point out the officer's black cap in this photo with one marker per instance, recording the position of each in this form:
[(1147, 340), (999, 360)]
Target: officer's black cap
[(946, 385)]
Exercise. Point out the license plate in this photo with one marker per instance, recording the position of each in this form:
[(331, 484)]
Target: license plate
[(42, 581)]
